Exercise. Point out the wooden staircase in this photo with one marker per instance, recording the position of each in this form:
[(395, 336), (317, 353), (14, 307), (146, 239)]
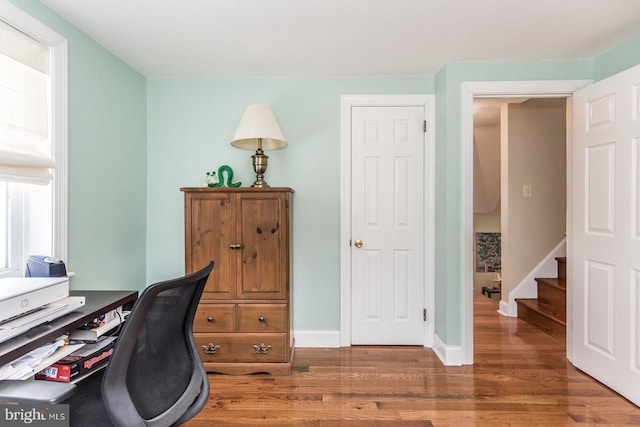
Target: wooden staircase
[(549, 311)]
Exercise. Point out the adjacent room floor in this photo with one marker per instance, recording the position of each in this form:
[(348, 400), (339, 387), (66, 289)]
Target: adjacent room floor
[(520, 377)]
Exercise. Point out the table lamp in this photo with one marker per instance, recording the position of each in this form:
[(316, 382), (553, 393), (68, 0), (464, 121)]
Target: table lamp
[(496, 278), (258, 130)]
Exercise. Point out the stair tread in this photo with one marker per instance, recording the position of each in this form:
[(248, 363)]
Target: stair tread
[(546, 310)]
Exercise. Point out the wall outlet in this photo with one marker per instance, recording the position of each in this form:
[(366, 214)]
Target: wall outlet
[(526, 191)]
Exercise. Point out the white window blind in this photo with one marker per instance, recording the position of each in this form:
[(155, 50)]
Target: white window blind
[(25, 145)]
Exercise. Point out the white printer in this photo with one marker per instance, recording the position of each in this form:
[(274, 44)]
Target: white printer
[(26, 302)]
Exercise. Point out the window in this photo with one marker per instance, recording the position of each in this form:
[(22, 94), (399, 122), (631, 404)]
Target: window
[(33, 140)]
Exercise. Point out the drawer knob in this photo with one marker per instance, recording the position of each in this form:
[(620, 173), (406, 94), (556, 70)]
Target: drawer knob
[(261, 319), (209, 319), (210, 348), (262, 348)]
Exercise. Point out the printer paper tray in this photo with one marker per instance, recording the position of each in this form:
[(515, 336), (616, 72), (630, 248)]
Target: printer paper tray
[(46, 314)]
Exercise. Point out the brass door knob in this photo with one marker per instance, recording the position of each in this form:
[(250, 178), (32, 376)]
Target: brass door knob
[(358, 244)]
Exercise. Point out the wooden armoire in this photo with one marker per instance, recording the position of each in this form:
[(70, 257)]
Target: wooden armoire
[(243, 322)]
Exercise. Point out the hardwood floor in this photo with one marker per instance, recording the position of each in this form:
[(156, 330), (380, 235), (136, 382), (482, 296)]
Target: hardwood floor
[(520, 377)]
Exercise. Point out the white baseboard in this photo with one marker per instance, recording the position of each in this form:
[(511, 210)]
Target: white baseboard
[(448, 355), (503, 309), (317, 339)]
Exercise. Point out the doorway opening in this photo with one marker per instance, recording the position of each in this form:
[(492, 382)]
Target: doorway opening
[(470, 91), (519, 206)]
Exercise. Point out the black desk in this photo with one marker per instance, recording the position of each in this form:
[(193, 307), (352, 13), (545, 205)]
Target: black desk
[(96, 304)]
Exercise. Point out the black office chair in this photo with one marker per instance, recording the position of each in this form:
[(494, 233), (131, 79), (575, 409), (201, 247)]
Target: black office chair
[(155, 376)]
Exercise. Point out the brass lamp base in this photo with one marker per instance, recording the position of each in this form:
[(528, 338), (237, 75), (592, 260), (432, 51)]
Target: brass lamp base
[(260, 167)]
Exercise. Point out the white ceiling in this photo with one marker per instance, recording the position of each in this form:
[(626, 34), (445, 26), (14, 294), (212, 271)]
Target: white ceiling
[(209, 38)]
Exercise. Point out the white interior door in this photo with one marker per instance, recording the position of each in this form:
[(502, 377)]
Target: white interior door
[(387, 248), (606, 232)]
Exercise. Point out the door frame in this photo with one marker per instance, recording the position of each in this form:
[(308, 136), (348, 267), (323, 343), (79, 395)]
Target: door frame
[(347, 102), (501, 89)]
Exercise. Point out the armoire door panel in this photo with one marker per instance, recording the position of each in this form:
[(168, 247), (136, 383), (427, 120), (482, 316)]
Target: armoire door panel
[(211, 220), (262, 235)]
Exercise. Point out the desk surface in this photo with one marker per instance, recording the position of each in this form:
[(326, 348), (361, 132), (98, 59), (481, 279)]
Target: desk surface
[(96, 303)]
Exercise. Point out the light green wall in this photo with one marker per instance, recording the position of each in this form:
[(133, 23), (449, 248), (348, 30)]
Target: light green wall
[(107, 162), (441, 208), (134, 142), (191, 124), (619, 58)]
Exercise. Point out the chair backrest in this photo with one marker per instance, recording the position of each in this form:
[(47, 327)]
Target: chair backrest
[(155, 376)]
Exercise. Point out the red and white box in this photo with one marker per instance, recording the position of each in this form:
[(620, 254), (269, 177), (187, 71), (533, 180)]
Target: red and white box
[(84, 360)]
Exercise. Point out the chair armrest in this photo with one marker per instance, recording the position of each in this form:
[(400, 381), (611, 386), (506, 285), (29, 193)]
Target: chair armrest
[(32, 391)]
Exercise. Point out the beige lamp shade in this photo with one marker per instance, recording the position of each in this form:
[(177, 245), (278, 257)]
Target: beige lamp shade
[(258, 128)]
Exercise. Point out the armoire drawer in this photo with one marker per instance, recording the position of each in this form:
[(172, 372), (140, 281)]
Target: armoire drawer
[(262, 318), (214, 318), (242, 348)]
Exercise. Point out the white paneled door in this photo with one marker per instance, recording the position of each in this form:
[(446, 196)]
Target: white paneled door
[(387, 247), (606, 232)]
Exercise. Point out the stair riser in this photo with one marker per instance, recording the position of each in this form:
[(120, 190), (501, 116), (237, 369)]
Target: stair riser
[(562, 269), (541, 322), (555, 297)]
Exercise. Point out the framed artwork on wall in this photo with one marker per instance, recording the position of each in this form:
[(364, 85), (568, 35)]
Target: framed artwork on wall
[(488, 252)]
